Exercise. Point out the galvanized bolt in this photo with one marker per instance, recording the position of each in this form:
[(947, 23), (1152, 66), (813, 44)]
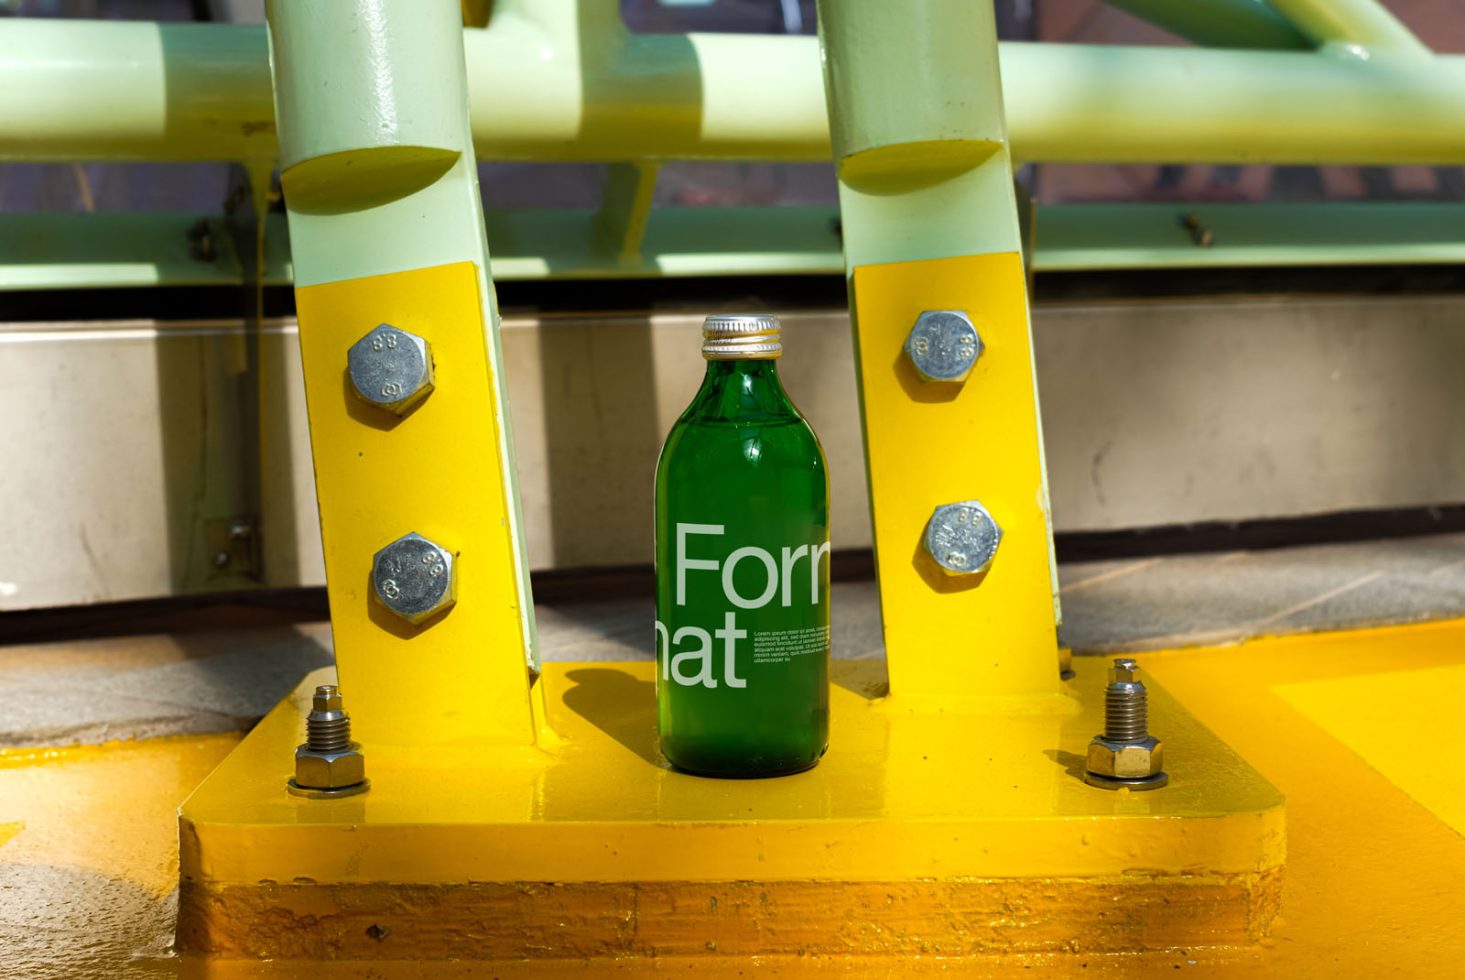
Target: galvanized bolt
[(329, 764), (391, 368), (962, 538), (1200, 235), (943, 345), (1126, 755), (415, 578)]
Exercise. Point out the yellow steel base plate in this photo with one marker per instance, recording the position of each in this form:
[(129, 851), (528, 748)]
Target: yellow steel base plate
[(920, 832)]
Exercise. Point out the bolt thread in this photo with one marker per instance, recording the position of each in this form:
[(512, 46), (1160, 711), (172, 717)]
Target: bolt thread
[(1126, 713), (328, 734)]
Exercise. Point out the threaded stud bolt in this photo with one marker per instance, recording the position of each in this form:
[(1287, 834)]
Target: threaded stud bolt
[(1126, 754), (329, 764), (327, 727), (1126, 704)]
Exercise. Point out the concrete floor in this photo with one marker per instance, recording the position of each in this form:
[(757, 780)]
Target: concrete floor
[(222, 681)]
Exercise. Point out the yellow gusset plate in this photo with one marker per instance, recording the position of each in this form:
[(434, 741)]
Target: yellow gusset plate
[(932, 443), (436, 472), (976, 812)]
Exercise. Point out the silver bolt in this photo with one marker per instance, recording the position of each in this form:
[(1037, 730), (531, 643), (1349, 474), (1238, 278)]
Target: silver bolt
[(1126, 754), (943, 345), (962, 538), (329, 764), (391, 368), (415, 578)]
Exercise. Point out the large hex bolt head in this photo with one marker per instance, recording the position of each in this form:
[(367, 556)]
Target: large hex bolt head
[(943, 346), (391, 368), (962, 538), (415, 578)]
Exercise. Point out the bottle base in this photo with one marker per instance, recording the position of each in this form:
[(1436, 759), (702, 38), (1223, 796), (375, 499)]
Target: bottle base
[(715, 771)]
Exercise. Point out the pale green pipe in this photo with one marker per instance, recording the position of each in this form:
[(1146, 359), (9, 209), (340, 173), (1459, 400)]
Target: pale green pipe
[(1220, 23), (1361, 26), (378, 164), (897, 73), (349, 78), (585, 88), (1116, 104), (919, 140), (119, 90), (142, 91), (88, 251), (915, 95)]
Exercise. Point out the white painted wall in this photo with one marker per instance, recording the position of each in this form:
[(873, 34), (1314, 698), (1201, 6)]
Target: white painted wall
[(124, 438)]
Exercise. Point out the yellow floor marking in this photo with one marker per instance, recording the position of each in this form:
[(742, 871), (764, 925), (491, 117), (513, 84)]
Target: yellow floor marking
[(108, 809), (1373, 879), (1316, 600), (1399, 722), (1108, 576)]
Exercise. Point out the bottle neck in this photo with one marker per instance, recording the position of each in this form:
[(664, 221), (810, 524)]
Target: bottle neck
[(744, 390)]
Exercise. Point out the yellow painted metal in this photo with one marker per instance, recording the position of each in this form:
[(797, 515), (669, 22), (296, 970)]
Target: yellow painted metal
[(1375, 859), (955, 810), (1348, 707), (1373, 867), (437, 472), (931, 444)]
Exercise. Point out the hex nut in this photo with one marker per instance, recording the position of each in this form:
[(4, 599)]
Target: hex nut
[(415, 578), (391, 368), (1126, 760), (943, 346), (329, 770), (962, 538)]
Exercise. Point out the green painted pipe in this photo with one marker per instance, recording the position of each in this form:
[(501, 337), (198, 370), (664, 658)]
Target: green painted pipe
[(1220, 23), (88, 251)]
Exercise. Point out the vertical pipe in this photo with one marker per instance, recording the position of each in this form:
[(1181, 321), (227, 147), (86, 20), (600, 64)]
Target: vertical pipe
[(386, 226), (930, 223)]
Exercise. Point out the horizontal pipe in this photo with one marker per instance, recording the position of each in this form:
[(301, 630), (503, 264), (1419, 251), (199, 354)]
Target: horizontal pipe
[(133, 90), (56, 251), (1205, 235), (1117, 104), (143, 91)]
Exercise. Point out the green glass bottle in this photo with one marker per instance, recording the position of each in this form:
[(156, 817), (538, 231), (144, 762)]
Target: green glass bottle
[(742, 568)]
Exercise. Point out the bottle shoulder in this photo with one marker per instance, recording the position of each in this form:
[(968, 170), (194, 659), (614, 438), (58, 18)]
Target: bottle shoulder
[(723, 448)]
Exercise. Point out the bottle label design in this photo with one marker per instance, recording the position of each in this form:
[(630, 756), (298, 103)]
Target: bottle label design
[(771, 600)]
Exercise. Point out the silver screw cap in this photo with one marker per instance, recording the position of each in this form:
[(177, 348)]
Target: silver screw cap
[(414, 578), (943, 345), (741, 336), (962, 538), (391, 368)]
